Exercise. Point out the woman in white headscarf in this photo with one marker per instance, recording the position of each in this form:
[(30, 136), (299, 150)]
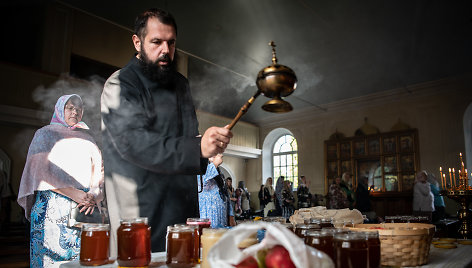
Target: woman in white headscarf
[(423, 198), (63, 169), (269, 197)]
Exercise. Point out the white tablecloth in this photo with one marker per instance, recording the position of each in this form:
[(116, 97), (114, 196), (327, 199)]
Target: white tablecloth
[(438, 258), (158, 259), (450, 258)]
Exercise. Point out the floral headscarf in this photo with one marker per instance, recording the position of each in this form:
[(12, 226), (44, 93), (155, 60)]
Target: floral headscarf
[(58, 117)]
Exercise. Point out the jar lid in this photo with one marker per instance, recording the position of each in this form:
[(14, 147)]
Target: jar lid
[(198, 221), (95, 227), (320, 233), (370, 234), (180, 229), (134, 221), (307, 226), (352, 236)]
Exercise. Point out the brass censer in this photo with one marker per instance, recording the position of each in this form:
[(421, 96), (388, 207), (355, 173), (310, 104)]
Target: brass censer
[(275, 81)]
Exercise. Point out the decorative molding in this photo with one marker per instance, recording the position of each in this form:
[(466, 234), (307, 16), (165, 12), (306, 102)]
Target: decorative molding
[(242, 152)]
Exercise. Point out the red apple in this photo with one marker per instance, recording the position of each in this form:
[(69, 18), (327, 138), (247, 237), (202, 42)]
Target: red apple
[(249, 262), (278, 257)]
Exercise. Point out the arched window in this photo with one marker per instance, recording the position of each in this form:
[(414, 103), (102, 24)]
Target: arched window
[(285, 159)]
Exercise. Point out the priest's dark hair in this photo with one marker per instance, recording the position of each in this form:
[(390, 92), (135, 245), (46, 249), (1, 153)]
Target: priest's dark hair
[(142, 19)]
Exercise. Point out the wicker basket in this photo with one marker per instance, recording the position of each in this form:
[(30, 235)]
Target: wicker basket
[(402, 244)]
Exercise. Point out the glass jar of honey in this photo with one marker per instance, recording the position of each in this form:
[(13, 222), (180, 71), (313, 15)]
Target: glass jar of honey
[(373, 242), (134, 243), (196, 242), (180, 246), (201, 223), (351, 250), (209, 238), (321, 240), (301, 229), (94, 244)]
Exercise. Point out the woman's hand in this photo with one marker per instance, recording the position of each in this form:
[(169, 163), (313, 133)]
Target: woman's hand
[(83, 199), (88, 204)]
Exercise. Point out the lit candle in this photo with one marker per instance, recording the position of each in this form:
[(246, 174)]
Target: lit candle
[(445, 182), (450, 177), (454, 176), (440, 172)]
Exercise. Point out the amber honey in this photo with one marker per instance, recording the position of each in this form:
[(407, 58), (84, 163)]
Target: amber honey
[(180, 246), (373, 242), (134, 243), (350, 251), (94, 244), (321, 240), (201, 223)]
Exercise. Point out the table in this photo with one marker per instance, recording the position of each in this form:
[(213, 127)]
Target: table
[(158, 259), (438, 258), (450, 258)]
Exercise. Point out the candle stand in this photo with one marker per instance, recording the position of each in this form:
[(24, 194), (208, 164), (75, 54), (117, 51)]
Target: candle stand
[(464, 214), (461, 192)]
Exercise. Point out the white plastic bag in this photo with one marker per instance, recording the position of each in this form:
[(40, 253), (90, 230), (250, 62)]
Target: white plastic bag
[(225, 252)]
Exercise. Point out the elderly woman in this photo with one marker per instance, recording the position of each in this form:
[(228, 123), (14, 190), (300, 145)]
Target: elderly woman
[(63, 170), (337, 197), (423, 198)]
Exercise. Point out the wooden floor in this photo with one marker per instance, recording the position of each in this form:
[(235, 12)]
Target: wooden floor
[(14, 247)]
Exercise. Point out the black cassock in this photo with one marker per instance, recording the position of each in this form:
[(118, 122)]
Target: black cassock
[(151, 150)]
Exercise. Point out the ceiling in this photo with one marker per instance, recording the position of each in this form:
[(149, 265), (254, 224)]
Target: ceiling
[(338, 49)]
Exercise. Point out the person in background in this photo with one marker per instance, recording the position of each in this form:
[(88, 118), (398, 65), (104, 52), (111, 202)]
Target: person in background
[(347, 187), (213, 199), (362, 195), (231, 193), (439, 205), (303, 193), (287, 200), (63, 170), (260, 195), (151, 145), (363, 203), (423, 198), (279, 186), (245, 200), (336, 196), (269, 197), (238, 211)]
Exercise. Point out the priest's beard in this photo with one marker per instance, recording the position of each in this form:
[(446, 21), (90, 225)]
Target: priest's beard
[(164, 74)]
